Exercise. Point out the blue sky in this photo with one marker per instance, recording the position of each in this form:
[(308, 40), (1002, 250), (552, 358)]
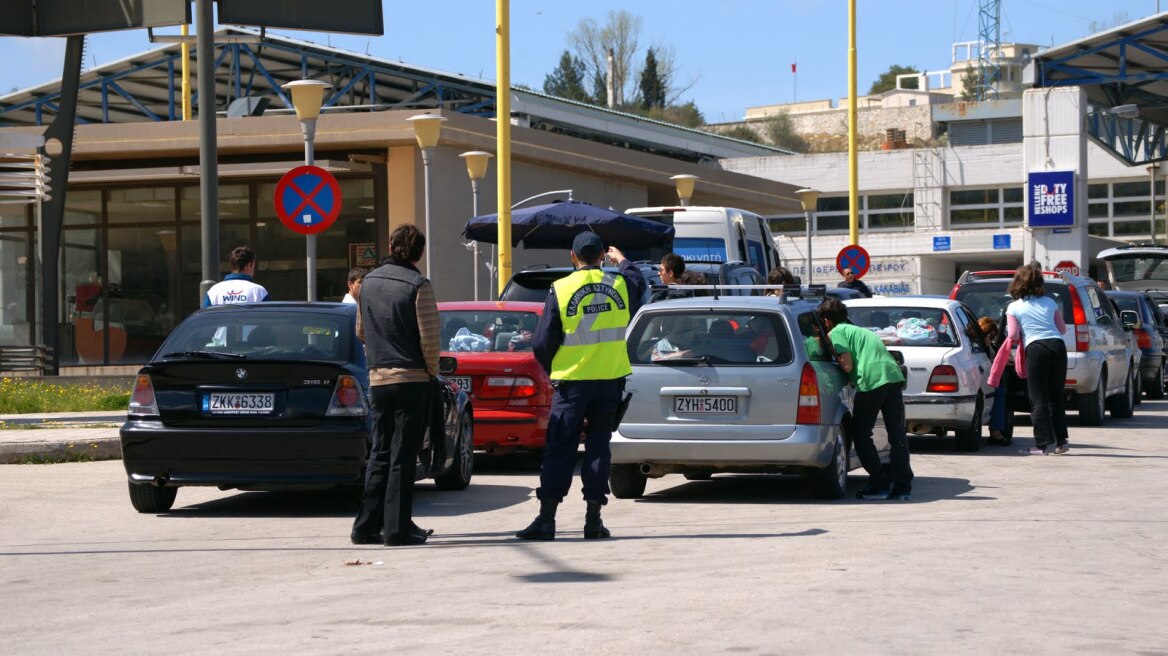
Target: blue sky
[(737, 53)]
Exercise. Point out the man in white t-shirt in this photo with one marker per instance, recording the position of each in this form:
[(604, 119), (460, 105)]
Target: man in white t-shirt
[(237, 286)]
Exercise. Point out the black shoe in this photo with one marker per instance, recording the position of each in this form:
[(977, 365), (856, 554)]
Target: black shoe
[(900, 495), (418, 530), (593, 527), (365, 538), (539, 529), (873, 493), (408, 540)]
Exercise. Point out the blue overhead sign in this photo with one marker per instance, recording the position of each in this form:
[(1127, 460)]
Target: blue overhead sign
[(942, 243), (1050, 199), (1001, 242)]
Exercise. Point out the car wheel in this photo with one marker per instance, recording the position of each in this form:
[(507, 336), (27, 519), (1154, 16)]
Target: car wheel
[(832, 481), (1137, 386), (151, 498), (458, 478), (1093, 405), (1122, 405), (1156, 390), (627, 482), (969, 438), (700, 476)]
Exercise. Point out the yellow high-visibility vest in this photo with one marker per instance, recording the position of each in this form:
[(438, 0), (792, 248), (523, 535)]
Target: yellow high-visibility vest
[(594, 311)]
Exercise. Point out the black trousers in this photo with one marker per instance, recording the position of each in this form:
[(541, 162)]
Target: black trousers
[(887, 401), (400, 414), (573, 402), (1046, 375)]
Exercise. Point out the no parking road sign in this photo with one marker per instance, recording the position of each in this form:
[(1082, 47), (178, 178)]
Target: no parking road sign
[(308, 199), (853, 257)]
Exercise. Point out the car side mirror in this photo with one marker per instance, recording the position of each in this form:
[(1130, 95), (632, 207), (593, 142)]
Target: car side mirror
[(1130, 319), (447, 365)]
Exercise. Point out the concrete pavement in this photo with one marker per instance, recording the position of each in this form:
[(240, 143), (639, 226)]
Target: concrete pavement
[(60, 436)]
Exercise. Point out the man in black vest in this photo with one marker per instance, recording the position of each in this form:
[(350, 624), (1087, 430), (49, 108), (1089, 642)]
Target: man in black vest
[(398, 321)]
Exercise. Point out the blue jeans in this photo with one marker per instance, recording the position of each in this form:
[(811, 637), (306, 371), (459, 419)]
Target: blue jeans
[(998, 413)]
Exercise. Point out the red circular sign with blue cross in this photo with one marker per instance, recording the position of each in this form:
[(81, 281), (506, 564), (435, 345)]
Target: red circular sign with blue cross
[(853, 257), (308, 199)]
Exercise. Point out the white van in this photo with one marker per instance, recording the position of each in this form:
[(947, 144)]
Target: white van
[(717, 234)]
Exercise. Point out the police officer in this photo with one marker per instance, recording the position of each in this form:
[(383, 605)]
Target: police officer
[(580, 342)]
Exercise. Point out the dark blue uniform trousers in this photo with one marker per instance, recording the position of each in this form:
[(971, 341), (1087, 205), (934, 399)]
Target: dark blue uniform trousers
[(573, 402)]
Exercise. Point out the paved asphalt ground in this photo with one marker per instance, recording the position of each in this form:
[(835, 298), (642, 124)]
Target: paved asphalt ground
[(997, 553)]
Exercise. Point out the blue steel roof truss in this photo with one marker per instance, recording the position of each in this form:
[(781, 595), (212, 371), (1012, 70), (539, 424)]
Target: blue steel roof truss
[(249, 72)]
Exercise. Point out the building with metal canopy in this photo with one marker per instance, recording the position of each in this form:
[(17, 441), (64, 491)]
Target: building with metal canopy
[(130, 260)]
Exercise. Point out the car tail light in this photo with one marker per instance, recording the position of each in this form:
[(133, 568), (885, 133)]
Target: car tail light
[(142, 401), (1079, 318), (504, 387), (953, 293), (1143, 338), (808, 396), (348, 399), (943, 380)]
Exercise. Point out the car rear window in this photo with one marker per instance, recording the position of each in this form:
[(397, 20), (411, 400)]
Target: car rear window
[(733, 338), (989, 298), (266, 335), (531, 286), (482, 331), (907, 325)]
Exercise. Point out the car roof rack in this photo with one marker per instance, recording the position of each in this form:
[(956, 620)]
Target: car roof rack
[(790, 292)]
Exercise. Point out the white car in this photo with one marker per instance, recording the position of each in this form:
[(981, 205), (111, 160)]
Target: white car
[(947, 362)]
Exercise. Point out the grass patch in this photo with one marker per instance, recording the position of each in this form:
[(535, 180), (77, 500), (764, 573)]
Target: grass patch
[(18, 396), (55, 458)]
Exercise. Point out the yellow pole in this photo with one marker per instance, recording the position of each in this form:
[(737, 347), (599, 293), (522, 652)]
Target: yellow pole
[(503, 134), (853, 173), (186, 75)]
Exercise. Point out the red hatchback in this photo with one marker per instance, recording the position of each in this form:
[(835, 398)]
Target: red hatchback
[(492, 341)]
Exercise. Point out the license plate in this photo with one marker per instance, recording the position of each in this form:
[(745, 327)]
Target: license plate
[(463, 382), (705, 405), (221, 403)]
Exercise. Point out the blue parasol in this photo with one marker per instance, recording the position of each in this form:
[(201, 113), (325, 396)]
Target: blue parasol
[(555, 225)]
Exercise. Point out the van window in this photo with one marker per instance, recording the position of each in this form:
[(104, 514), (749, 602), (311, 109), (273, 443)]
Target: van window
[(700, 249), (757, 256), (768, 249)]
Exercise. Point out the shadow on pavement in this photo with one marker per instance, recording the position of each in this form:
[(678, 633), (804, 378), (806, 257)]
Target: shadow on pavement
[(745, 489), (343, 502)]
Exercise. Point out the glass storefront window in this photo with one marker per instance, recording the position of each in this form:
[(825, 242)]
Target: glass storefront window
[(16, 271), (83, 339), (141, 205), (973, 197), (15, 216), (143, 279), (83, 207)]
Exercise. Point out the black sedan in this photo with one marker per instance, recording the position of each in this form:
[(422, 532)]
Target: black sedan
[(266, 396)]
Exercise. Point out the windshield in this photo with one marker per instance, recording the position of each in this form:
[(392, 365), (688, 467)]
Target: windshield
[(989, 298), (698, 336), (482, 331), (700, 249), (263, 336), (907, 325), (1137, 269)]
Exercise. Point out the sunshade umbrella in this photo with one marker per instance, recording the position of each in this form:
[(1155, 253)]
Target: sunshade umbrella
[(556, 224)]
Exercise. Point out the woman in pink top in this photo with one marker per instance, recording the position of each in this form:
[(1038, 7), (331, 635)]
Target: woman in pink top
[(1035, 327)]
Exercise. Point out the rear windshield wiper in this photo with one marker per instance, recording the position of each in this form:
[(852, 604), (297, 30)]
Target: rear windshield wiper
[(685, 362), (209, 355)]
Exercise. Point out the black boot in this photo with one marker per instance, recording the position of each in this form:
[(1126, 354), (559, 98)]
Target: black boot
[(544, 526), (593, 527)]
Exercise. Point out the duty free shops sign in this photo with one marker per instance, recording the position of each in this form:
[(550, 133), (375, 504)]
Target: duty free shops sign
[(1050, 199)]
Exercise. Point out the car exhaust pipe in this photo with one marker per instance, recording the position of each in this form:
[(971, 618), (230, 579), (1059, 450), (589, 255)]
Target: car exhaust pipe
[(917, 428), (655, 471), (160, 481)]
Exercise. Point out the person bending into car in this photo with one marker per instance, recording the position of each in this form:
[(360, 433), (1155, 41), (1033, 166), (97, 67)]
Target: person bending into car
[(398, 321), (1035, 321), (878, 381), (580, 342)]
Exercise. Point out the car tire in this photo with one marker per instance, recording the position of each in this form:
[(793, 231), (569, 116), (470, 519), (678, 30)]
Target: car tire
[(969, 438), (1122, 405), (1156, 390), (627, 482), (1093, 405), (460, 473), (700, 476), (831, 482), (1137, 386), (152, 498)]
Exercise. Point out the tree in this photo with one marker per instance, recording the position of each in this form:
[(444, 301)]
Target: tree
[(592, 42), (567, 81), (600, 90), (742, 132), (780, 131), (653, 85), (971, 83), (887, 79)]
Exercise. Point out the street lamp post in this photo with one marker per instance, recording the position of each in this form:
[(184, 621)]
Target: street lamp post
[(426, 129), (685, 187), (307, 97), (808, 198), (476, 168)]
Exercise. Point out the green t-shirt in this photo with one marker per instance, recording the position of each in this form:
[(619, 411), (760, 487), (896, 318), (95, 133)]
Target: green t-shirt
[(872, 366)]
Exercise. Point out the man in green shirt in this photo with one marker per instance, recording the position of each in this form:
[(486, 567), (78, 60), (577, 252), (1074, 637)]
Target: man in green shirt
[(878, 381)]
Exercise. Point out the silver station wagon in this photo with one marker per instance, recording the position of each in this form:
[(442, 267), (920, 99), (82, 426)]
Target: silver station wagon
[(740, 384)]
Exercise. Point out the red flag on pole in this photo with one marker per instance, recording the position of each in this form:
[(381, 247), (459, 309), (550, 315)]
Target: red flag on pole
[(793, 68)]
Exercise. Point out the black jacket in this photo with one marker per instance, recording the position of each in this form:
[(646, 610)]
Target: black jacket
[(389, 316)]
